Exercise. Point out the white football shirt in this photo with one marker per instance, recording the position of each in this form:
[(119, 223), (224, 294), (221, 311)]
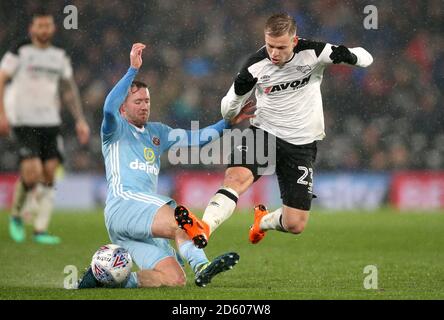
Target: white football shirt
[(288, 97), (32, 97)]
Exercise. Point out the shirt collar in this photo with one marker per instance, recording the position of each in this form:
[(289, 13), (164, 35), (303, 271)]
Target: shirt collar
[(140, 130)]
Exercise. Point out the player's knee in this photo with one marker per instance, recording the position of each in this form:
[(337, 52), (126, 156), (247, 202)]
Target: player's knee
[(31, 171), (296, 223), (296, 228), (30, 180), (238, 178), (294, 220), (180, 281)]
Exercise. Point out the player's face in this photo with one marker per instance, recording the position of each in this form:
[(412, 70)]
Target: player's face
[(42, 29), (137, 107), (280, 49)]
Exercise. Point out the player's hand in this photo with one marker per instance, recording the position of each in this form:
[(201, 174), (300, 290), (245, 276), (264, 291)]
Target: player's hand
[(136, 55), (4, 125), (83, 132), (244, 82), (246, 112), (342, 54)]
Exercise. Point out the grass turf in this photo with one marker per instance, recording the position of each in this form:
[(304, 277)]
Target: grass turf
[(325, 262)]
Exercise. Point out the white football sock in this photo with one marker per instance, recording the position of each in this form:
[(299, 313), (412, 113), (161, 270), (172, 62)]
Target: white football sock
[(21, 197), (31, 205), (273, 221), (220, 208), (44, 213)]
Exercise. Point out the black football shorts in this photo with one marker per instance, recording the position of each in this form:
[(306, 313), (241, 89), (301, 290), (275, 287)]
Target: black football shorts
[(293, 164), (38, 142)]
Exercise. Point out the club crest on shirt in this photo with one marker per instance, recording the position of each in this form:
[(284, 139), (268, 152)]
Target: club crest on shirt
[(156, 141), (303, 69), (149, 155)]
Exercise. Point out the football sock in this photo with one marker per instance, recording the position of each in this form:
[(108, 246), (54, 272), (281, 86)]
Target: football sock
[(21, 196), (193, 255), (220, 208), (132, 281), (46, 203), (31, 205), (273, 221)]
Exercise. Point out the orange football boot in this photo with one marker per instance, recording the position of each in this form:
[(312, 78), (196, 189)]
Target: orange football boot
[(197, 230), (256, 234)]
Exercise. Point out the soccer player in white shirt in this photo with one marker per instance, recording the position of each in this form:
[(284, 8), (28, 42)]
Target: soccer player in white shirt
[(285, 76), (37, 70)]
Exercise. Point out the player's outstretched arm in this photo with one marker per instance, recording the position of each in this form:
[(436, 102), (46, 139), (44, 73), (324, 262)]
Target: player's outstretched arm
[(341, 54), (118, 94), (201, 137)]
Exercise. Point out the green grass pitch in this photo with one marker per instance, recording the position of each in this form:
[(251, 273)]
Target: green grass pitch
[(325, 262)]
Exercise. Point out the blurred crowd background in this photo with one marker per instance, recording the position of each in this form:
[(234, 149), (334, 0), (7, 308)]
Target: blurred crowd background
[(389, 116)]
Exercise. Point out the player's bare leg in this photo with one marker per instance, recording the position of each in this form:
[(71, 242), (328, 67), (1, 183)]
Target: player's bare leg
[(285, 219), (167, 272), (294, 220), (46, 204), (30, 176), (238, 178)]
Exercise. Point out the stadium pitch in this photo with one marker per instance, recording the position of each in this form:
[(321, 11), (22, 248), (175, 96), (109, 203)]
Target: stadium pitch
[(327, 261)]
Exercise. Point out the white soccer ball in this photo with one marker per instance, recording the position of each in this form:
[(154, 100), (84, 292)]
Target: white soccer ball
[(111, 265)]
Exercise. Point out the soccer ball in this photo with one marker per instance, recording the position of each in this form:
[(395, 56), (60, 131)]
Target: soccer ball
[(111, 265)]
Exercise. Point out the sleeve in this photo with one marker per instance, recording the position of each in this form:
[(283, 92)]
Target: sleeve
[(67, 72), (166, 139), (231, 104), (179, 138), (364, 58), (9, 63), (114, 100)]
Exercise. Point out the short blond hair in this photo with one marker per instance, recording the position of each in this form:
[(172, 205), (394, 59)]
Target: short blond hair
[(280, 24)]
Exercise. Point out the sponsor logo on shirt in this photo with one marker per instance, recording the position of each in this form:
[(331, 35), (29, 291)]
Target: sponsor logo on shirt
[(147, 166), (144, 166), (43, 70), (149, 155), (296, 84)]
